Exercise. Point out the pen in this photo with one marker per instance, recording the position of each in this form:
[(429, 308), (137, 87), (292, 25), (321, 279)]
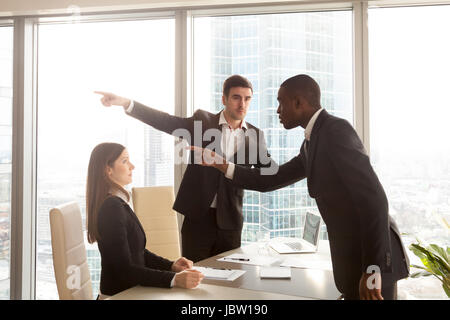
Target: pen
[(237, 259)]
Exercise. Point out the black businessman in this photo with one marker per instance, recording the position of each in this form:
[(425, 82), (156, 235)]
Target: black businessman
[(363, 237)]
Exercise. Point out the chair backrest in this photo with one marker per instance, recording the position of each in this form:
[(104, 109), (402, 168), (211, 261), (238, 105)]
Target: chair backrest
[(69, 253), (153, 206)]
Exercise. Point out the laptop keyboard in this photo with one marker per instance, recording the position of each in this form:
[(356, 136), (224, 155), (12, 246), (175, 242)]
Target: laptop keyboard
[(294, 245)]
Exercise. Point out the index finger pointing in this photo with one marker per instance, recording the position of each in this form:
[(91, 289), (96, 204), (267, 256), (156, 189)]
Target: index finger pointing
[(101, 92)]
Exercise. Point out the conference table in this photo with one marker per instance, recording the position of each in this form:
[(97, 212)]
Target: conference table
[(305, 283)]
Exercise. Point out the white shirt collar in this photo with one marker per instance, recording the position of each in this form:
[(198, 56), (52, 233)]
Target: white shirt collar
[(222, 121), (121, 195), (310, 125)]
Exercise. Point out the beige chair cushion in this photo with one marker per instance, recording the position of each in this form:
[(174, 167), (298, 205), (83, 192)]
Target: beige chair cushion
[(69, 253), (153, 206)]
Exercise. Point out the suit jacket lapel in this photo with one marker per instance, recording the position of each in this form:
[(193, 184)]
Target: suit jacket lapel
[(133, 214)]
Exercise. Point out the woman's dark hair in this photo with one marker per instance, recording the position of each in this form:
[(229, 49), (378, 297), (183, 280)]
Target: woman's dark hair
[(99, 185)]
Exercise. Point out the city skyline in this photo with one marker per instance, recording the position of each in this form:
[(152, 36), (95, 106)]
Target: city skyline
[(416, 183), (267, 50)]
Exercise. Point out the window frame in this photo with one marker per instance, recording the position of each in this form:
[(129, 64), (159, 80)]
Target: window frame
[(23, 189), (9, 23)]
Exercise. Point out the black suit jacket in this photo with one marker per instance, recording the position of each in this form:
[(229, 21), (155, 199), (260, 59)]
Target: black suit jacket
[(350, 198), (200, 184), (125, 261)]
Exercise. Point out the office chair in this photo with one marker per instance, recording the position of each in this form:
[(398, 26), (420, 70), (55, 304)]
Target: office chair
[(153, 206), (69, 253)]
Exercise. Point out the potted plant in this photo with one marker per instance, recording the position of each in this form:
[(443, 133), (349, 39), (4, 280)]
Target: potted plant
[(436, 263)]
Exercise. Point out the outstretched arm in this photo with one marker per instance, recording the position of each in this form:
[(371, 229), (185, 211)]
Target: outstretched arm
[(173, 125), (253, 178), (110, 99), (276, 178)]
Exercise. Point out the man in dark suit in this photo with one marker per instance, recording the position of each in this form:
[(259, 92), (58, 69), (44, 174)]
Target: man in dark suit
[(210, 203), (363, 237)]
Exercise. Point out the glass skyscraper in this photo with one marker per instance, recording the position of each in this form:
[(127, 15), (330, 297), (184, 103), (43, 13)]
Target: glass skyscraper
[(268, 49)]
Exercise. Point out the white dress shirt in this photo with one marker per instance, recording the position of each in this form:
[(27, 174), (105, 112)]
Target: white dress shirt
[(310, 125), (232, 140)]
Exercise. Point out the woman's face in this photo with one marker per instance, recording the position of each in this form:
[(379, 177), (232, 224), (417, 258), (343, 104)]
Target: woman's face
[(121, 172)]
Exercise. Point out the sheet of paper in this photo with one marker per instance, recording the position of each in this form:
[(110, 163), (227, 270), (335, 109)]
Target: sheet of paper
[(307, 264), (220, 274), (246, 259), (275, 272)]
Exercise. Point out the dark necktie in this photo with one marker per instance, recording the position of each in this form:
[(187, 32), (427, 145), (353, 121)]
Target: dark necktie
[(306, 148)]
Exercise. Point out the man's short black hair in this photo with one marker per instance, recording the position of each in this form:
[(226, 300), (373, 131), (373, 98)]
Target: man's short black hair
[(236, 81), (305, 86)]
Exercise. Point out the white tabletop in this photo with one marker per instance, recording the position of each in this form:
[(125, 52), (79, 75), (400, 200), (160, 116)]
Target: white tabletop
[(202, 292), (304, 284)]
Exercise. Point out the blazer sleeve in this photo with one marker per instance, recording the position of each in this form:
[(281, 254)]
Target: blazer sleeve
[(112, 227), (162, 121), (352, 164), (154, 261), (274, 178)]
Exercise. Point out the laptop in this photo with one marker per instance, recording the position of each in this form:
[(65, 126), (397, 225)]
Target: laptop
[(307, 244)]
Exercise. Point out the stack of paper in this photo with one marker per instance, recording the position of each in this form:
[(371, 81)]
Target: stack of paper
[(307, 264), (275, 273), (220, 274)]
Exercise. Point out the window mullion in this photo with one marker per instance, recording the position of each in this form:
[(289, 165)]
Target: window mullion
[(23, 163), (361, 72)]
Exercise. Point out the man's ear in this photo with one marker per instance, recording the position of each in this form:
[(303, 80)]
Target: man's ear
[(224, 100), (299, 101)]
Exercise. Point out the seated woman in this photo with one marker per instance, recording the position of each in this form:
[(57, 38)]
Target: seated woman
[(121, 239)]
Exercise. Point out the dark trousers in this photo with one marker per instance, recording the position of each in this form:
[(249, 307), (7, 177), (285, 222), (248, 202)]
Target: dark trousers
[(202, 239), (388, 291)]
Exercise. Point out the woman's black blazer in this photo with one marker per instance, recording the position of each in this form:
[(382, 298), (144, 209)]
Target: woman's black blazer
[(125, 261)]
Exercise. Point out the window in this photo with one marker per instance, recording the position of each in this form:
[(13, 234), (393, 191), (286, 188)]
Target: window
[(409, 113), (283, 45), (6, 76), (134, 59)]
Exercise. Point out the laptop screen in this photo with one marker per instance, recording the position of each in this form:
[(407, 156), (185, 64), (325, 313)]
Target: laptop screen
[(311, 231)]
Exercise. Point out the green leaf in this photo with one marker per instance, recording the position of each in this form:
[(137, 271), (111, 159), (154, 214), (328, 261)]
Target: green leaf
[(436, 262), (443, 265), (440, 252), (446, 289), (418, 267), (417, 250), (420, 274), (432, 261)]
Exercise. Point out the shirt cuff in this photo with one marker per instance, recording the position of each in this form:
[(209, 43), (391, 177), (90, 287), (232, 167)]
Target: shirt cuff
[(172, 283), (130, 107), (230, 171)]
